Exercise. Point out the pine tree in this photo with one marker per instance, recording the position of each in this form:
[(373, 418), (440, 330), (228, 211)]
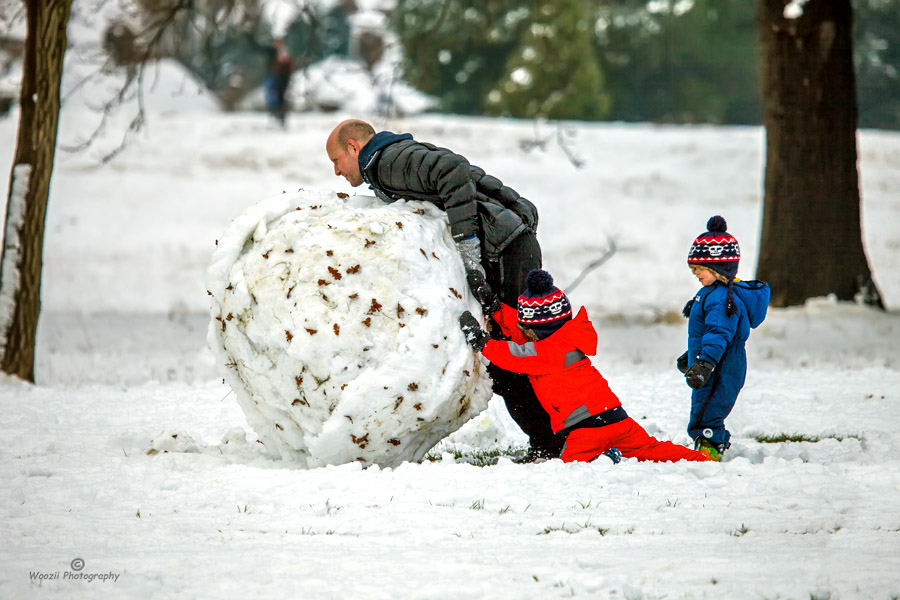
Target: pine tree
[(680, 62), (456, 50), (876, 40), (554, 71)]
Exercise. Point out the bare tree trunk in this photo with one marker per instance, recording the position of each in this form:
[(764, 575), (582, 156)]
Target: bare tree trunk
[(811, 234), (20, 267)]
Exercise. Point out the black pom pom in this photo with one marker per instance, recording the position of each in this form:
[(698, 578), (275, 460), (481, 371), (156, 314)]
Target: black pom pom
[(539, 282), (717, 224)]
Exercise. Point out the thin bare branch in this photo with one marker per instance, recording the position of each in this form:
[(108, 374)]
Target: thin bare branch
[(607, 254), (541, 143)]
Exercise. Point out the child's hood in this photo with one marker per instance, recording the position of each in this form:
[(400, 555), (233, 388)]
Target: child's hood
[(580, 333), (755, 296)]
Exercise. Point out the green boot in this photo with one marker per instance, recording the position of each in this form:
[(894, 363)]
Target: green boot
[(708, 449)]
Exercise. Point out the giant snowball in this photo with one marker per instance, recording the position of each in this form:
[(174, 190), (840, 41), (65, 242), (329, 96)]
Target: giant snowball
[(334, 319)]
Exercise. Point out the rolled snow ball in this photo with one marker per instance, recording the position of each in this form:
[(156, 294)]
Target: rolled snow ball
[(334, 319)]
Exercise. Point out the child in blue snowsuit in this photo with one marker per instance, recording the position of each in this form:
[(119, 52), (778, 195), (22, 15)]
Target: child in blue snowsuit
[(720, 317)]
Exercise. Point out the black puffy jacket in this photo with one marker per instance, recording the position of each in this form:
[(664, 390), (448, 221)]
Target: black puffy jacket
[(476, 203)]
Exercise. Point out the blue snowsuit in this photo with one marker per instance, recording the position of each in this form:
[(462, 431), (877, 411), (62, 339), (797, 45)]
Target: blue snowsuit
[(715, 337)]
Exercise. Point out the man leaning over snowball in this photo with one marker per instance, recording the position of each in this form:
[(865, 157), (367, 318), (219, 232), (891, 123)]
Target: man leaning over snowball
[(493, 227)]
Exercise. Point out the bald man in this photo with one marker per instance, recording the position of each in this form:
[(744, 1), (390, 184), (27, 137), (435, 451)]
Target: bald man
[(493, 227)]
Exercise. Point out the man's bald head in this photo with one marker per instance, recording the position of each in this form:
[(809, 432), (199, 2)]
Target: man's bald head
[(353, 129), (344, 145)]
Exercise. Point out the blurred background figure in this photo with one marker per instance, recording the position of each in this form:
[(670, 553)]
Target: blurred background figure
[(281, 67)]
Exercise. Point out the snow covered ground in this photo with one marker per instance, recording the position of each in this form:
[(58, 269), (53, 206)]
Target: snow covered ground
[(131, 455)]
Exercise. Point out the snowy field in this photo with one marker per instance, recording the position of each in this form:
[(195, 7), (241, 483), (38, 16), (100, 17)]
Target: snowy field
[(131, 455)]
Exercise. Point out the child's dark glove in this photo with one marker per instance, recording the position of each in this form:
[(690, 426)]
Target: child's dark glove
[(475, 335), (483, 292), (682, 362), (698, 374)]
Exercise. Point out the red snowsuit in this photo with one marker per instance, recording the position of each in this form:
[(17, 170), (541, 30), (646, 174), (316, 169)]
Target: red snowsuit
[(571, 390)]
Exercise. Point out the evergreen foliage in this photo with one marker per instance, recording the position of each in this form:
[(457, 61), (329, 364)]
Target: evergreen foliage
[(228, 47), (317, 34), (876, 33), (681, 62), (554, 71), (456, 50), (212, 40)]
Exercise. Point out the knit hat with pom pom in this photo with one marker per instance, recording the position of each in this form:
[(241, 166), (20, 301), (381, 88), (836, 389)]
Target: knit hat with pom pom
[(717, 249), (542, 307)]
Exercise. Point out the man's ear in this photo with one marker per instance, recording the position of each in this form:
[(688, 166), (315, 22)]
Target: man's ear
[(353, 147)]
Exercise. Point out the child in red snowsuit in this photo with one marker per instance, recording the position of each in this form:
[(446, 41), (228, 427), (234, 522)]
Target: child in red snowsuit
[(552, 348)]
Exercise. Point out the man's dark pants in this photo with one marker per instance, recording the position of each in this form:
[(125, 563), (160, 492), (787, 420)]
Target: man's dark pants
[(507, 278)]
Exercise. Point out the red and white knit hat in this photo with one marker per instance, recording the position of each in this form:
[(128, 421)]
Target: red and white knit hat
[(716, 249), (542, 307)]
